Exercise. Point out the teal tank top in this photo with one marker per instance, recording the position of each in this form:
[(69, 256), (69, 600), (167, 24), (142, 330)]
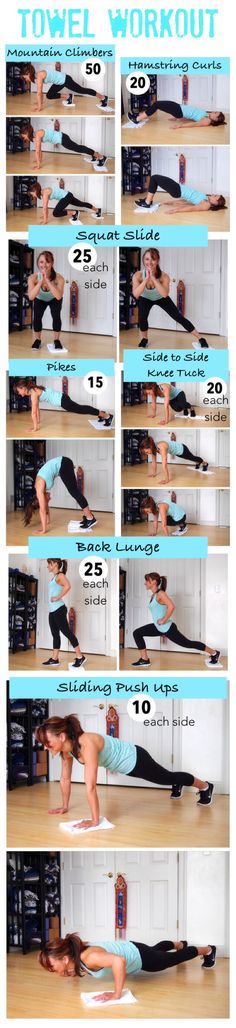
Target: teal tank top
[(121, 948), (151, 294), (58, 193), (192, 195), (174, 391), (50, 470), (175, 448), (57, 78), (158, 610), (44, 294), (52, 136), (117, 755), (193, 113), (53, 590), (175, 512), (51, 396)]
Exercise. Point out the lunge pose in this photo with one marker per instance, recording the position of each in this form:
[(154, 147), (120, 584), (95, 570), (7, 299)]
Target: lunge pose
[(58, 81), (46, 289), (171, 514), (161, 608), (151, 287), (65, 199), (71, 956), (149, 448), (182, 113), (40, 394), (174, 399), (189, 199), (59, 587), (58, 138), (63, 468), (65, 735)]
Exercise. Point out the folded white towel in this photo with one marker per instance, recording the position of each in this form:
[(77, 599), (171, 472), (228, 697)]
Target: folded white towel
[(201, 472), (105, 109), (70, 826), (198, 417), (100, 426), (133, 124), (74, 527), (213, 667), (145, 210), (52, 349), (88, 999), (77, 222)]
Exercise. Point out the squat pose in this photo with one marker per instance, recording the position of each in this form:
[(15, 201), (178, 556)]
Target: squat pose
[(65, 735), (170, 514), (192, 115), (46, 289), (151, 449), (161, 608), (151, 287), (58, 467), (58, 80), (71, 956), (59, 586), (174, 399), (58, 138), (189, 199), (39, 394), (65, 199)]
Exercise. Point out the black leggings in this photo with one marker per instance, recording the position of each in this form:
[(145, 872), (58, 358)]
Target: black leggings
[(55, 308), (187, 455), (173, 634), (171, 521), (60, 209), (76, 408), (148, 769), (55, 91), (165, 304), (168, 106), (168, 184), (68, 478), (58, 623), (158, 957), (69, 144), (179, 402)]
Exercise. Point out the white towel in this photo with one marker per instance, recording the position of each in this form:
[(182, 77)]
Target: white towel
[(88, 999), (198, 417), (133, 124), (177, 532), (74, 527), (52, 349), (199, 471), (69, 826), (105, 109), (145, 210), (77, 222), (213, 667), (101, 217), (100, 426), (65, 104)]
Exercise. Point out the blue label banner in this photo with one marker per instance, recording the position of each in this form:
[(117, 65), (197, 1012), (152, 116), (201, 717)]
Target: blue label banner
[(76, 546), (177, 365), (56, 52), (59, 366), (118, 688), (127, 235), (176, 65)]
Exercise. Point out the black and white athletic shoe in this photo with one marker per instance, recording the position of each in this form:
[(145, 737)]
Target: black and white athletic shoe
[(51, 662), (79, 661), (141, 663), (143, 203), (101, 162), (98, 213), (210, 959), (203, 467), (133, 117), (74, 217), (192, 413), (107, 421), (214, 657), (143, 343), (69, 102), (104, 102), (36, 345), (206, 795), (176, 792), (58, 345), (200, 344), (87, 523), (181, 530)]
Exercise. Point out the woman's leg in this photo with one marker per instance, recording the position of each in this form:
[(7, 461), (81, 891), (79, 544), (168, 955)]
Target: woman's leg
[(144, 308), (55, 308), (70, 144), (75, 88), (168, 106), (66, 631), (163, 182), (171, 521), (54, 92), (68, 478), (169, 306), (155, 959), (179, 403), (148, 769), (187, 455), (181, 640), (81, 408), (56, 639), (149, 631), (39, 308)]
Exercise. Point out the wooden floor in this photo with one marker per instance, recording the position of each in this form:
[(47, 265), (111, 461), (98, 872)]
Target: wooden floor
[(84, 106), (79, 345), (175, 993), (142, 817), (167, 339), (19, 221), (136, 417), (17, 534), (169, 661), (56, 424), (216, 221), (180, 475), (62, 162), (160, 130), (216, 535), (32, 660)]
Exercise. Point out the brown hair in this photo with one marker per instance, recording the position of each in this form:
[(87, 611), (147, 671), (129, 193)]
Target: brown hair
[(28, 131), (49, 257), (72, 946), (30, 509), (218, 206), (29, 69), (220, 119), (148, 444), (155, 255), (161, 580), (69, 724), (152, 387), (62, 564), (35, 188), (27, 383), (149, 505)]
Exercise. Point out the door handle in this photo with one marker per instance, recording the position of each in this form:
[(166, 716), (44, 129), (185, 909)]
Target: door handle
[(99, 706), (107, 874)]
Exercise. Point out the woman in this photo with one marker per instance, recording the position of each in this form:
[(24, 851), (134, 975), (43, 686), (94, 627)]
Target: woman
[(46, 289), (58, 80), (39, 394), (150, 287), (64, 198), (161, 608), (63, 468), (170, 514), (65, 736), (59, 586), (58, 138), (189, 199), (72, 957), (192, 115), (174, 399), (149, 448)]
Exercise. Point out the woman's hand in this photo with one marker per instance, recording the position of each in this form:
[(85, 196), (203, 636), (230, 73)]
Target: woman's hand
[(161, 621), (58, 810), (53, 599), (103, 997)]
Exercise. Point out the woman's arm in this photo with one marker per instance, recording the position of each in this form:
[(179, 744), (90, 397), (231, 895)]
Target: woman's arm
[(190, 123), (163, 450), (56, 289), (43, 512), (138, 284), (170, 606), (118, 968), (65, 786), (65, 587), (40, 80), (163, 508), (153, 408), (34, 286), (152, 467), (183, 205), (38, 148), (154, 525), (35, 411), (166, 391), (46, 195), (90, 757)]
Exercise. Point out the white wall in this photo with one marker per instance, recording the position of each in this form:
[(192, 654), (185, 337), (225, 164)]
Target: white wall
[(210, 92), (204, 272), (204, 746), (206, 898), (207, 168), (215, 600)]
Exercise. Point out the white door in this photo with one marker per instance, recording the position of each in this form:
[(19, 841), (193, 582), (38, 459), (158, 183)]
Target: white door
[(165, 160), (183, 586), (78, 393), (91, 617), (200, 89), (224, 507), (200, 269), (96, 293), (92, 717), (96, 459), (88, 895), (223, 449)]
